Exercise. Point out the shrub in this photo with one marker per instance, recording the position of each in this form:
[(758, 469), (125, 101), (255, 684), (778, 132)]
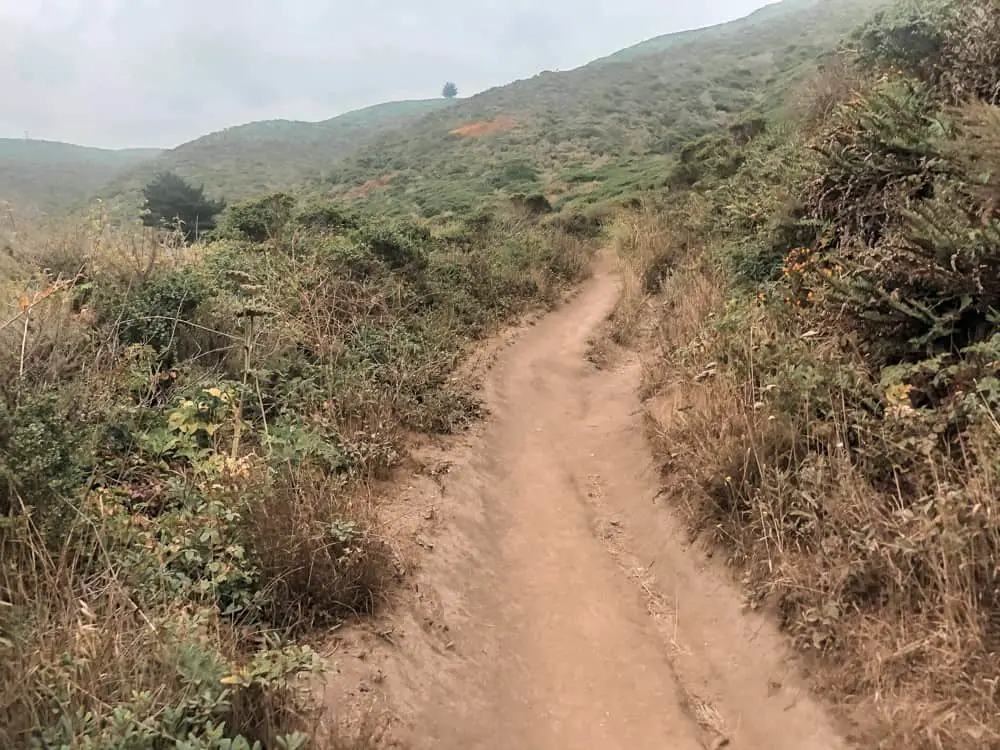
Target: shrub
[(930, 289), (534, 205), (918, 253), (331, 217), (839, 428), (169, 199), (88, 664), (201, 502), (709, 157), (880, 156), (514, 173), (258, 219), (816, 100), (948, 45), (399, 245), (908, 37), (153, 313), (38, 454)]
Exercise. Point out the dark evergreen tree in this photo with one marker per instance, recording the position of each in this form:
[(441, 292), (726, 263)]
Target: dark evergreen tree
[(450, 90), (170, 199)]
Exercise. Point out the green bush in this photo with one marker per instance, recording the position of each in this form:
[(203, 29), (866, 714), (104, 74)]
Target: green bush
[(400, 245), (257, 219), (950, 46), (513, 174), (880, 156), (908, 37), (154, 312), (331, 217), (39, 458)]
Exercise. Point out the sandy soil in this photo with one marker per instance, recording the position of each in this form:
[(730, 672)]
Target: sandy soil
[(554, 602)]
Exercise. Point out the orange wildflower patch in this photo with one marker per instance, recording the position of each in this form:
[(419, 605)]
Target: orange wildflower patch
[(362, 190), (478, 129)]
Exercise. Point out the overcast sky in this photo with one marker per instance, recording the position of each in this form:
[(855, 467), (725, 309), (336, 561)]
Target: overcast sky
[(117, 73)]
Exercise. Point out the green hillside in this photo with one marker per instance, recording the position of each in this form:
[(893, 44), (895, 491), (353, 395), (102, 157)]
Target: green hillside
[(600, 130), (49, 175), (584, 136), (259, 157)]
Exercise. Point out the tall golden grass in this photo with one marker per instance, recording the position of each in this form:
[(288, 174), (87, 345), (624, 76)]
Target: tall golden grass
[(890, 596)]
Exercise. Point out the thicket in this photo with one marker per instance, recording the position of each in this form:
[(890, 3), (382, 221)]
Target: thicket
[(832, 332), (184, 434)]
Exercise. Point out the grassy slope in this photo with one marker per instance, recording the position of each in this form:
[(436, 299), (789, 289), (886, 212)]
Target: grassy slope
[(777, 12), (49, 175), (603, 127), (829, 334), (259, 157)]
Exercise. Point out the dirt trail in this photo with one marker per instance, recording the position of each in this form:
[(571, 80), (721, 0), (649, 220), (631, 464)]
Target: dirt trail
[(559, 605)]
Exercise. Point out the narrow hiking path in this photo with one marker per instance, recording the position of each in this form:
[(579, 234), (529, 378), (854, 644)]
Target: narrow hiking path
[(560, 606)]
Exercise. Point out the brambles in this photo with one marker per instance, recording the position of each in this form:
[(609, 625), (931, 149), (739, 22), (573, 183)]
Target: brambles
[(881, 153), (949, 45)]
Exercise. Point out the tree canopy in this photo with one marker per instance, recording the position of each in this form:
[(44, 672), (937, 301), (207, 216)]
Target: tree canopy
[(169, 199), (450, 90)]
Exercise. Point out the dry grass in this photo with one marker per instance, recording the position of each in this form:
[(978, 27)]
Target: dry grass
[(819, 96), (317, 547), (689, 301), (45, 334), (638, 242), (892, 593), (649, 246), (75, 634)]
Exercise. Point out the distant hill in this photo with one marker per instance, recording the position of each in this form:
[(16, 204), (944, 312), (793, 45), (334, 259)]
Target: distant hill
[(49, 175), (584, 136), (260, 157), (768, 21), (235, 163), (610, 126)]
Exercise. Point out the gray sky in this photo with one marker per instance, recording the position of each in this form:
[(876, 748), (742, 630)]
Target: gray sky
[(118, 73)]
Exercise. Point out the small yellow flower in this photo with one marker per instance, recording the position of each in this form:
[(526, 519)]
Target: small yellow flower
[(899, 395)]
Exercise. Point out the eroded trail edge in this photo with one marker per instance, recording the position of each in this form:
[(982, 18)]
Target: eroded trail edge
[(557, 604)]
